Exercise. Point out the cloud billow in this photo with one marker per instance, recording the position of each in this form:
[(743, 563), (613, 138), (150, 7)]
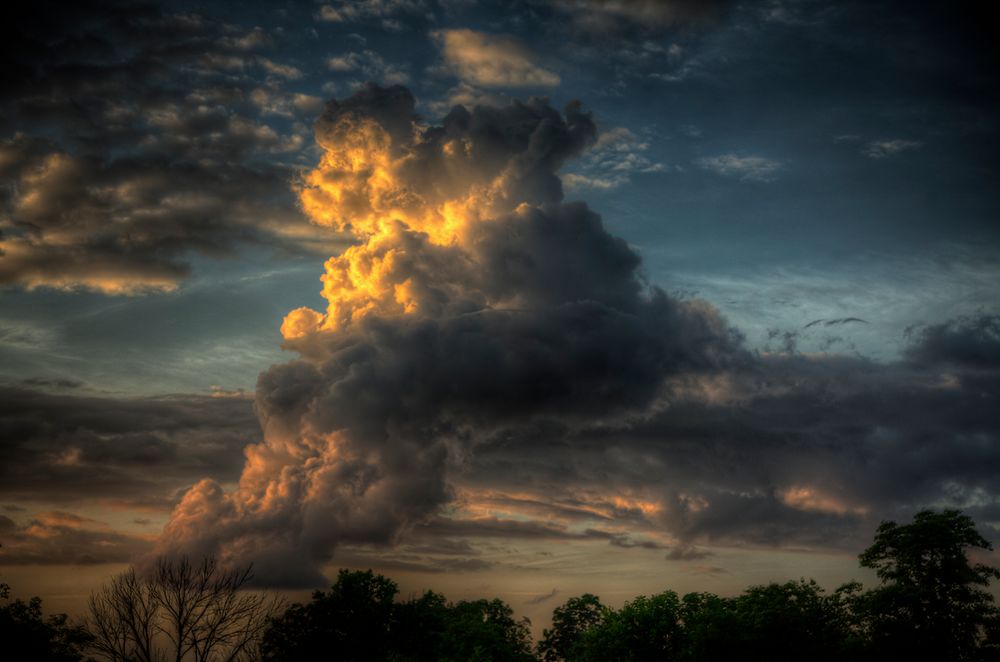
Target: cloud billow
[(475, 303), (488, 347)]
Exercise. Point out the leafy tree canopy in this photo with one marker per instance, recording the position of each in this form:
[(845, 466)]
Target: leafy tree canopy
[(933, 600)]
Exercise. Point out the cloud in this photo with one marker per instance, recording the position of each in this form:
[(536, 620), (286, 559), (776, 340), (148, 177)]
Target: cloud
[(839, 321), (272, 101), (491, 60), (792, 452), (687, 553), (350, 11), (330, 14), (470, 96), (882, 149), (745, 168), (474, 304), (62, 538), (480, 331), (617, 155), (252, 40), (124, 227), (649, 15), (370, 65), (54, 383), (283, 70), (192, 170), (710, 570), (132, 452), (544, 597), (972, 342)]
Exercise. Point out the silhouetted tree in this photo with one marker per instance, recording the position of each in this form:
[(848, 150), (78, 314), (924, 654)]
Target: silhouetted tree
[(784, 622), (485, 630), (933, 602), (712, 628), (569, 623), (647, 628), (349, 622), (182, 611), (418, 628), (358, 619), (25, 633)]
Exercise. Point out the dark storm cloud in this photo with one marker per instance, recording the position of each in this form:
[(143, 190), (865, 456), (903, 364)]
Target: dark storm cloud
[(526, 353), (129, 451), (536, 314), (130, 137), (531, 139), (968, 342), (795, 450)]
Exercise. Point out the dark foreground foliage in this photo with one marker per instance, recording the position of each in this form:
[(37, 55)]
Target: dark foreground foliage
[(932, 604), (359, 619), (27, 635)]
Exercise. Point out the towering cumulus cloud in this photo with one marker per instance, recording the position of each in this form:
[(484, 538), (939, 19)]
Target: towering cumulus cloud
[(475, 306)]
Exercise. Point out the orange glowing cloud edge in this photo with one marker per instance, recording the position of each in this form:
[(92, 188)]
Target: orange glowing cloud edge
[(358, 188)]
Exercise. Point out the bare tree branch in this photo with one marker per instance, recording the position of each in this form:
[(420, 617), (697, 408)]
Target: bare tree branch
[(181, 612)]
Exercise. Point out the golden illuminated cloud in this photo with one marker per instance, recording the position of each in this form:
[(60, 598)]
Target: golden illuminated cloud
[(492, 60)]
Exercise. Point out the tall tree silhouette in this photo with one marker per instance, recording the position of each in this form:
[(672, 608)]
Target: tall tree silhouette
[(933, 601), (349, 622), (569, 623)]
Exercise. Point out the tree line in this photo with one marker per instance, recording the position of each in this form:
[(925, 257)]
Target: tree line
[(933, 603)]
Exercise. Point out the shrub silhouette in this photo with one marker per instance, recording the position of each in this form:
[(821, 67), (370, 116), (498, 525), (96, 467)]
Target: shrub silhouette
[(27, 634)]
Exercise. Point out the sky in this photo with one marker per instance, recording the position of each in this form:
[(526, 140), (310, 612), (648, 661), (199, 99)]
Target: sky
[(524, 298)]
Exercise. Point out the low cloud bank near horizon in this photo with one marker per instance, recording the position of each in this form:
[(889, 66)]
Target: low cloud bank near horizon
[(65, 450)]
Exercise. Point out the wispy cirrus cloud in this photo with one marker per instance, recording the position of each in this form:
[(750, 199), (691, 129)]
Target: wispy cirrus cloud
[(369, 65), (883, 149), (384, 12), (743, 167), (617, 155)]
